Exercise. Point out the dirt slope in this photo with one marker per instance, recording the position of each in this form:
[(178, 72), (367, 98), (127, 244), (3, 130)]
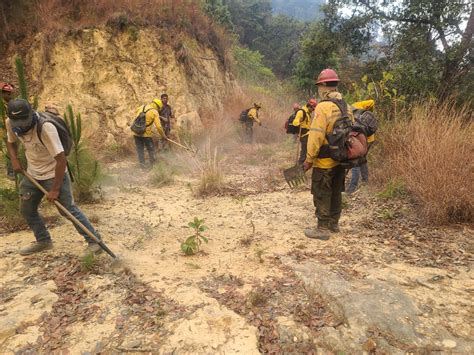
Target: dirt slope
[(105, 74), (383, 285)]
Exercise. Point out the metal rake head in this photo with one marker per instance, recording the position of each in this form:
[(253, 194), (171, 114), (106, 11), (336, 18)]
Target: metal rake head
[(295, 176)]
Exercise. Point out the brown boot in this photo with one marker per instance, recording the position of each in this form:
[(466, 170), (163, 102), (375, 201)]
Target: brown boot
[(334, 227), (92, 248), (37, 247), (317, 233)]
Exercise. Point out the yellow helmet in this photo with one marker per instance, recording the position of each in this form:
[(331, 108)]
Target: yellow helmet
[(364, 105), (158, 103)]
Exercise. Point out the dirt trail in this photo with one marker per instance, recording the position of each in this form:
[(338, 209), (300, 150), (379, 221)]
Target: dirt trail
[(384, 285)]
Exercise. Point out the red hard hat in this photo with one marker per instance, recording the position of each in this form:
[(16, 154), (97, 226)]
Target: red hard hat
[(312, 103), (296, 106), (327, 75), (7, 87)]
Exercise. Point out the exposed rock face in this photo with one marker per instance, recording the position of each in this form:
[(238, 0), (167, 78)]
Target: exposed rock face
[(107, 75)]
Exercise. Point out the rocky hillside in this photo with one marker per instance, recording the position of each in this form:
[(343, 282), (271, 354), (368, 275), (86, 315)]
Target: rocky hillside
[(105, 74)]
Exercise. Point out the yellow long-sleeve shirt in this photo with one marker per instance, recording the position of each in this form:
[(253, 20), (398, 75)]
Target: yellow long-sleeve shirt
[(253, 115), (152, 117), (326, 114), (303, 119)]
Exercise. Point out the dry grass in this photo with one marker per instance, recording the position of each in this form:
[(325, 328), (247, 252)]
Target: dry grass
[(211, 179), (431, 152)]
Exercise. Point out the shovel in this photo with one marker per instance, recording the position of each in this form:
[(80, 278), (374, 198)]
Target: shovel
[(74, 219), (182, 146), (295, 175)]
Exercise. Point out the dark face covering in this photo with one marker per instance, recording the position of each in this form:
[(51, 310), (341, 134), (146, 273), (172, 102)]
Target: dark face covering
[(22, 126)]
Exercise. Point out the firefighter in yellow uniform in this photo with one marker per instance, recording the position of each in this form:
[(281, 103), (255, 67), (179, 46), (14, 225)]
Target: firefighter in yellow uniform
[(252, 116), (363, 170), (145, 140), (303, 120), (328, 177)]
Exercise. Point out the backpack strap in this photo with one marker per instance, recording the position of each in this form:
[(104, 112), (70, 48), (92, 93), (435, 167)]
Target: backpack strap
[(39, 129), (143, 111), (342, 106)]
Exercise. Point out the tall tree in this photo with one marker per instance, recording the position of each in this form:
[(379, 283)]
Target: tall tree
[(432, 26)]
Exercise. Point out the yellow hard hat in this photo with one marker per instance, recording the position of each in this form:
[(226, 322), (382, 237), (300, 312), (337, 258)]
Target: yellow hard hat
[(158, 103), (364, 105)]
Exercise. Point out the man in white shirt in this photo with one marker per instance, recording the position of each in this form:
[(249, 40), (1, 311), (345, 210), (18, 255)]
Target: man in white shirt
[(47, 164)]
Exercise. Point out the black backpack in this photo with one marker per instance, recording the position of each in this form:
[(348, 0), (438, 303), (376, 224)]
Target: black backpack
[(290, 129), (244, 116), (347, 141), (367, 121), (61, 126), (139, 125)]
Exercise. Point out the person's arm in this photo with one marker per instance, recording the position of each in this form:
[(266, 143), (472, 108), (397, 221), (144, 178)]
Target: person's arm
[(156, 120), (317, 133), (13, 153), (59, 172), (12, 148), (298, 118)]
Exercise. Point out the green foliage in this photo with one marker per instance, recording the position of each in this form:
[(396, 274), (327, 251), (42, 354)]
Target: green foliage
[(250, 68), (329, 42), (395, 188), (88, 262), (276, 38), (10, 208), (162, 174), (20, 71), (193, 243), (219, 12), (84, 168), (427, 45), (387, 213)]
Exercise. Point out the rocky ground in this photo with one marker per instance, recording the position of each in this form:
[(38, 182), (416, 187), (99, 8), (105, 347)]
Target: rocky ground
[(387, 284)]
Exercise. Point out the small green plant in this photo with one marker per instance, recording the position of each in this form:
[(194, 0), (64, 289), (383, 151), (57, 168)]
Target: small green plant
[(85, 169), (133, 32), (88, 261), (162, 174), (193, 243), (387, 214), (395, 188), (10, 216)]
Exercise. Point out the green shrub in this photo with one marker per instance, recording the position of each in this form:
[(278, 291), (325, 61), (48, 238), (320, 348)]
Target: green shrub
[(193, 243), (395, 188), (10, 208), (84, 168)]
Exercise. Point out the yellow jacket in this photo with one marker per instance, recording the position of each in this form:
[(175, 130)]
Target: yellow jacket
[(326, 114), (151, 116), (303, 118), (253, 115)]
